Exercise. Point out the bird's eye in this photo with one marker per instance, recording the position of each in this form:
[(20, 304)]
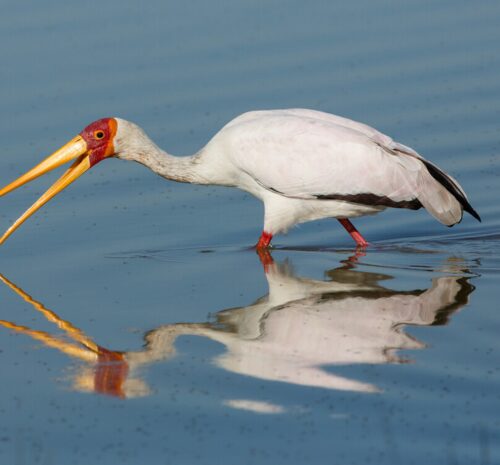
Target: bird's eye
[(99, 134)]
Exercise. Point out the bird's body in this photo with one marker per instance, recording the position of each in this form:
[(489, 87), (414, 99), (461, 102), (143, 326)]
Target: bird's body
[(303, 164)]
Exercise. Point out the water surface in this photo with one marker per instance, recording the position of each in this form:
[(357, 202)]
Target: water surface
[(138, 326)]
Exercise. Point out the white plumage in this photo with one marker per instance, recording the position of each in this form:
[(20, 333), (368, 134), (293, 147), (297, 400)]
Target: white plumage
[(303, 164), (306, 165)]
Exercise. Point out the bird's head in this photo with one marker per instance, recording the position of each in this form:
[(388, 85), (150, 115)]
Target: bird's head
[(98, 140), (104, 138), (113, 137)]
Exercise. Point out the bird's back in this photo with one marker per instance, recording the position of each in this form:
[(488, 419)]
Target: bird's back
[(308, 154)]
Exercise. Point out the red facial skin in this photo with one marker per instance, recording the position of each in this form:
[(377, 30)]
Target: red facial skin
[(99, 137)]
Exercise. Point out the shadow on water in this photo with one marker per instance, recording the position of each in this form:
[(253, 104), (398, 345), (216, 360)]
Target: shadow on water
[(289, 335)]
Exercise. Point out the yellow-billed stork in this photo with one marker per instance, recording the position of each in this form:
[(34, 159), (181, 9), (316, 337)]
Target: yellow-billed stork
[(303, 164)]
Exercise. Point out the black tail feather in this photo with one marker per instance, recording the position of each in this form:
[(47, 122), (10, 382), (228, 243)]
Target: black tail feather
[(451, 187)]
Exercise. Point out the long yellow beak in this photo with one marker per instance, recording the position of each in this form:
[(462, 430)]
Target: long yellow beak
[(76, 148)]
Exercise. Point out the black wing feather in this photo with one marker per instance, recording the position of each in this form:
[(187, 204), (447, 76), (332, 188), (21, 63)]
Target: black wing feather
[(451, 187)]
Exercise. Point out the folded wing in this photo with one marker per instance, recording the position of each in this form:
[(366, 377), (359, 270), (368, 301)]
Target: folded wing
[(308, 154)]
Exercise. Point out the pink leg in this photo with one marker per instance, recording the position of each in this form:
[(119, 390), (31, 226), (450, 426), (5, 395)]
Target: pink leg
[(264, 240), (360, 240), (262, 249)]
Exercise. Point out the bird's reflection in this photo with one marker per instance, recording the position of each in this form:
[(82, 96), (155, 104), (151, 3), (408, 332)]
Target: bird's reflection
[(292, 334)]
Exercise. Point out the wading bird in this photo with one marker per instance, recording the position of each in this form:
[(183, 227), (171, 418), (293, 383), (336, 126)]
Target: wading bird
[(303, 164)]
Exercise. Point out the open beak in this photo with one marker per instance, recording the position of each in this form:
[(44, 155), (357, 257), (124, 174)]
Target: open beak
[(74, 149)]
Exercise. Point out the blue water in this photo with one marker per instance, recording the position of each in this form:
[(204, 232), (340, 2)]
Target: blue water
[(324, 356)]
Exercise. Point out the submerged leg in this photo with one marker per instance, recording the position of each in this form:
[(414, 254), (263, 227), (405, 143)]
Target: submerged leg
[(262, 249), (355, 234), (266, 259)]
